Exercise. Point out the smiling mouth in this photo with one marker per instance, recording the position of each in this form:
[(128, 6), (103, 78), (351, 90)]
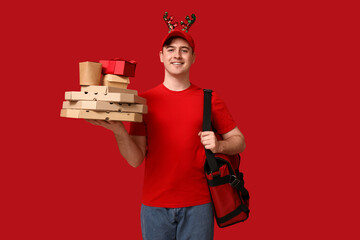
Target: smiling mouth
[(177, 63)]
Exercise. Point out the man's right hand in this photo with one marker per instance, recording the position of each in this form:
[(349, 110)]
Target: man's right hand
[(132, 148), (117, 127)]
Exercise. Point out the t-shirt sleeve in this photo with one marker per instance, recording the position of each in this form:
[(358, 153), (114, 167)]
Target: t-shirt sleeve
[(221, 118), (137, 129)]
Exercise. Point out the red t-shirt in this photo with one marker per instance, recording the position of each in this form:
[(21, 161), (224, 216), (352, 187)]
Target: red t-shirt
[(174, 163)]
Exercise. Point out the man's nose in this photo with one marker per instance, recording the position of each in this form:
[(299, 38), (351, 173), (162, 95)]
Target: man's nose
[(177, 54)]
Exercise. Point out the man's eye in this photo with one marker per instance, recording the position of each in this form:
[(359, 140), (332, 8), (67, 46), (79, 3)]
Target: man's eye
[(185, 51), (170, 50)]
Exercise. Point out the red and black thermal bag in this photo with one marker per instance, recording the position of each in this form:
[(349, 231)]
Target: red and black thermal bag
[(226, 184)]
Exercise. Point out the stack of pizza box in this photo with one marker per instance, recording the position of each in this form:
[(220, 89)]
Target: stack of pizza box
[(104, 94)]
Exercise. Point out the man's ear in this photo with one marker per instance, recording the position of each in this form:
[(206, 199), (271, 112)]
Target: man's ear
[(161, 56), (194, 56)]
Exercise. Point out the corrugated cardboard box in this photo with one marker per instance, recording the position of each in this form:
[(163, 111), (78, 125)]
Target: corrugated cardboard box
[(109, 97), (91, 105), (112, 80), (90, 73), (138, 108), (105, 106), (109, 116), (106, 89)]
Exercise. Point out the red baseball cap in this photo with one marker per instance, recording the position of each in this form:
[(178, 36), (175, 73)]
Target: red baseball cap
[(182, 34)]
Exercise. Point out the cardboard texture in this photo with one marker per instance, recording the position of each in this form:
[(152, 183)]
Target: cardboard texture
[(90, 73), (105, 106), (118, 67), (109, 97), (112, 80), (116, 78), (91, 105), (109, 116), (138, 108), (106, 89), (115, 84)]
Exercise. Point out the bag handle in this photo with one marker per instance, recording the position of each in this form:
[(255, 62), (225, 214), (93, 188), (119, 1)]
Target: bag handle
[(210, 158)]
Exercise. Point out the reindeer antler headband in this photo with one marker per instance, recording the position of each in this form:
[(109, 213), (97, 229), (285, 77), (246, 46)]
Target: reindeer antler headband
[(186, 26)]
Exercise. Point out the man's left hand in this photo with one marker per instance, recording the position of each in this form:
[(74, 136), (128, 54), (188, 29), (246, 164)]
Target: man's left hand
[(208, 139)]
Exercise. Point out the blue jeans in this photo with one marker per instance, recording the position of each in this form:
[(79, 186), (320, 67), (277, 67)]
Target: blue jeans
[(188, 223)]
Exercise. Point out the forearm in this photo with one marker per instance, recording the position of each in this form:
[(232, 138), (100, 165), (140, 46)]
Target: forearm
[(231, 146), (129, 149)]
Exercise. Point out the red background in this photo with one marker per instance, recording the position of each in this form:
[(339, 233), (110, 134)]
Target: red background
[(286, 70)]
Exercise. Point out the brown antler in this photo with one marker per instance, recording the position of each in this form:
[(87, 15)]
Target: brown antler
[(186, 26), (169, 23)]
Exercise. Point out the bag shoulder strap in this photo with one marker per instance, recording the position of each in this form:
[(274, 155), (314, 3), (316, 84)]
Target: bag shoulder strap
[(210, 158)]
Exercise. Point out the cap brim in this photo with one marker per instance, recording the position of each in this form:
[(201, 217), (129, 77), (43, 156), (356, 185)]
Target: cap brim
[(182, 34)]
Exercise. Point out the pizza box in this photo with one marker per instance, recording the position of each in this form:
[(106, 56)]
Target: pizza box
[(109, 116), (106, 89), (109, 97), (105, 106)]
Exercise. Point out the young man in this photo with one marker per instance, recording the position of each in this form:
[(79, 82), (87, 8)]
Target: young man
[(176, 199)]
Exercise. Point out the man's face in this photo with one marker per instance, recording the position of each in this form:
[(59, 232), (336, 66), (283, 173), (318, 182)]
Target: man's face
[(177, 57)]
